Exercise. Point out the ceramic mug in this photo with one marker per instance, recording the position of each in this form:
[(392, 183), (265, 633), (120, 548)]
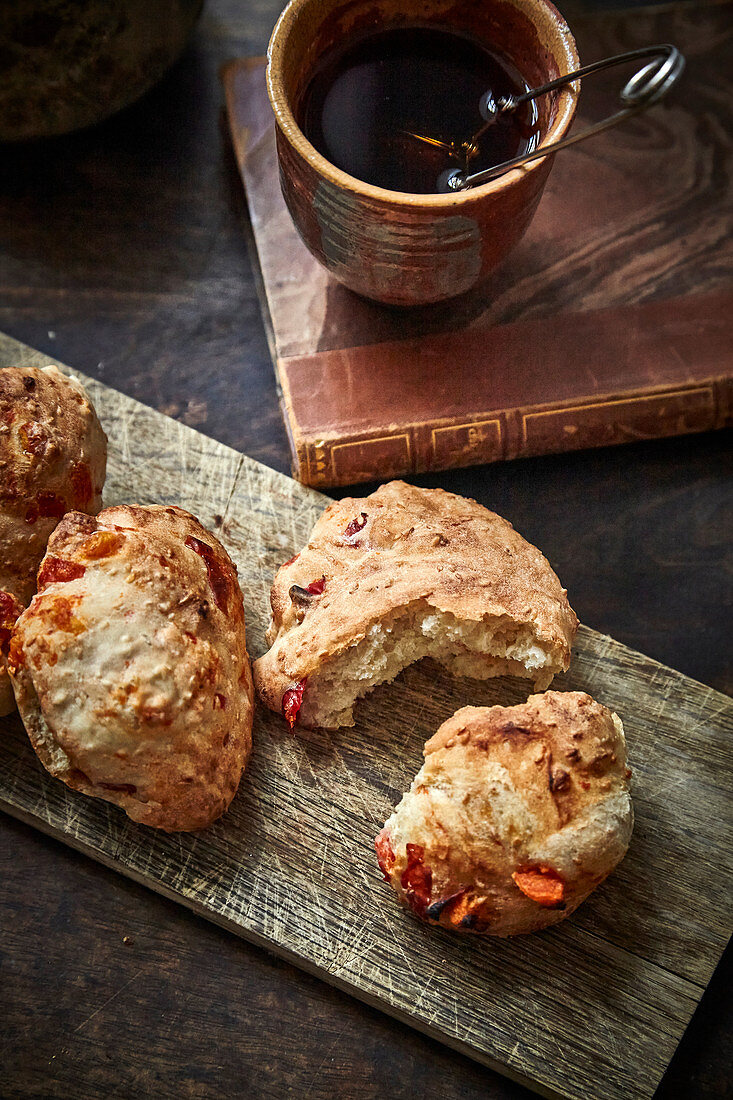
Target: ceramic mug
[(395, 247)]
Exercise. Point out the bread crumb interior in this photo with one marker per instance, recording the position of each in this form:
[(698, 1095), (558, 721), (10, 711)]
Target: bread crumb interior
[(479, 649)]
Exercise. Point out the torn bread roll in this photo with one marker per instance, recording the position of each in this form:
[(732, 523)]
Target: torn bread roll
[(517, 814), (53, 456), (130, 665), (399, 575)]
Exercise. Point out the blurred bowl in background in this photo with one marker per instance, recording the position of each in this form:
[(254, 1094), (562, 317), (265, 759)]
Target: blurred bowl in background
[(66, 64)]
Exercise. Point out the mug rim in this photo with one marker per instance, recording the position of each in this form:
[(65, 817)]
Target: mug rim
[(567, 105)]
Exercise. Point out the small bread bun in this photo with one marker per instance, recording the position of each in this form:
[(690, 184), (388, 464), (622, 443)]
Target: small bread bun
[(515, 816), (130, 666), (399, 575), (53, 456)]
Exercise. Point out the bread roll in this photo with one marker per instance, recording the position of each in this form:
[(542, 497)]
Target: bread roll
[(53, 456), (402, 574), (130, 665), (517, 814)]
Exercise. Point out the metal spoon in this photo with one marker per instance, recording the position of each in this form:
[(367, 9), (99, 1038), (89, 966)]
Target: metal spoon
[(646, 87)]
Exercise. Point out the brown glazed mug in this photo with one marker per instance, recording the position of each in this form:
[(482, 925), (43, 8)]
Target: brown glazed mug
[(399, 248)]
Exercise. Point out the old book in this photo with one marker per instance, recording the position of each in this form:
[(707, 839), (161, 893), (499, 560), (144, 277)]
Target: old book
[(585, 380), (612, 321)]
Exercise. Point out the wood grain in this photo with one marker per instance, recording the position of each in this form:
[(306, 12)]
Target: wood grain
[(290, 867)]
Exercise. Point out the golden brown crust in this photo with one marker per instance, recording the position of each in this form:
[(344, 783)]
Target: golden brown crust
[(10, 609), (130, 665), (517, 814), (53, 456), (402, 546)]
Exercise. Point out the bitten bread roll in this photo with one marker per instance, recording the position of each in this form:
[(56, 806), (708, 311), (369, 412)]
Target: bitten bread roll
[(403, 574), (130, 666), (515, 816), (53, 455)]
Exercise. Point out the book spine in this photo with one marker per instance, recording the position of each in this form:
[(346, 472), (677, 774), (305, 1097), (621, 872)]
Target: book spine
[(378, 455)]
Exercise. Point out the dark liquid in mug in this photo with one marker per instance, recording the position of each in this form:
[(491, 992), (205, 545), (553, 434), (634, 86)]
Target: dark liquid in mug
[(372, 104)]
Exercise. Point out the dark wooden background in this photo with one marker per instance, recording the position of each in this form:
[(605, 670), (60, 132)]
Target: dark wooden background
[(123, 252)]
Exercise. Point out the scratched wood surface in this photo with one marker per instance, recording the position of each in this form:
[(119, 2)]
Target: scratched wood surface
[(593, 1008)]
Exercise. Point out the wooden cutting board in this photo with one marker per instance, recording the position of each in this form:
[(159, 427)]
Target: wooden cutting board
[(593, 1008)]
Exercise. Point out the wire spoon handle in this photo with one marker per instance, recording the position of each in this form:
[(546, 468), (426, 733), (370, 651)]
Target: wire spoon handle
[(646, 87)]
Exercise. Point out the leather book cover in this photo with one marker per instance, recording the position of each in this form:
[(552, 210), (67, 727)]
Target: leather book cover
[(612, 321)]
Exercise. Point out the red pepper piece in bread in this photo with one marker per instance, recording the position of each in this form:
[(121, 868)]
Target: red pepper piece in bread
[(292, 701), (542, 885), (417, 879), (385, 854)]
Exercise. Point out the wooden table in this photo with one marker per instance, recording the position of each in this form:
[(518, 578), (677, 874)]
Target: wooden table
[(124, 254)]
